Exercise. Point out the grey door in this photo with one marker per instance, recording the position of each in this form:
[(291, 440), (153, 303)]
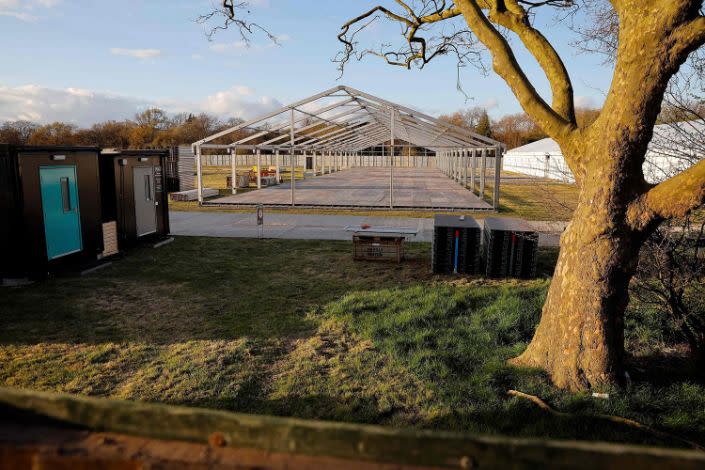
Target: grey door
[(145, 206)]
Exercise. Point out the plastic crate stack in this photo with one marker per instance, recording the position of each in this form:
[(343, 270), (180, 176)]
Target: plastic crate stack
[(456, 245), (510, 247)]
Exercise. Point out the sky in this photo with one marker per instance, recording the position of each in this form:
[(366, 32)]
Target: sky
[(83, 61)]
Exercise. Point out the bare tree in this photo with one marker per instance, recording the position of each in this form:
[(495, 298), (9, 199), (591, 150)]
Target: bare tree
[(671, 273), (671, 277), (580, 338), (467, 118), (17, 132), (229, 14), (515, 130)]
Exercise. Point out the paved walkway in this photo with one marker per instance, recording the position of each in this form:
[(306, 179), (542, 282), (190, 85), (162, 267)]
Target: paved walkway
[(367, 187), (313, 227)]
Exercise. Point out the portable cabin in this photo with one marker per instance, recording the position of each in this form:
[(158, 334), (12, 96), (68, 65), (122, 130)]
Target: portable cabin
[(134, 196), (50, 211)]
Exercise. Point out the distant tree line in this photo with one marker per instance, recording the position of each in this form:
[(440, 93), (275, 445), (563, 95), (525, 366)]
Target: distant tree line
[(519, 129), (152, 128), (514, 130), (155, 128)]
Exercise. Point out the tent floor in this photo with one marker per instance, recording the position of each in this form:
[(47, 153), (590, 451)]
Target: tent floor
[(417, 188)]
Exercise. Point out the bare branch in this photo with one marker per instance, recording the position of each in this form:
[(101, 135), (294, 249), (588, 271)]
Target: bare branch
[(516, 19), (600, 34), (419, 49), (506, 66), (229, 16), (689, 36)]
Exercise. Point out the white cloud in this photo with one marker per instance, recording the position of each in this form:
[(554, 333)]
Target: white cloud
[(25, 10), (230, 46), (244, 46), (239, 101), (584, 102), (82, 107), (136, 53), (85, 107), (490, 104)]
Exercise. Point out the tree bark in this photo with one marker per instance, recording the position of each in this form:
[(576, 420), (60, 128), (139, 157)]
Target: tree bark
[(580, 339)]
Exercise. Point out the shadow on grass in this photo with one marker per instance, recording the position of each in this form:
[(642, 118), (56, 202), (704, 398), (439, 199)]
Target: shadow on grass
[(298, 329), (664, 369), (198, 289), (507, 416)]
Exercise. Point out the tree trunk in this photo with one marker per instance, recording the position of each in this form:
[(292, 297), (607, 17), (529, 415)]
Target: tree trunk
[(580, 338)]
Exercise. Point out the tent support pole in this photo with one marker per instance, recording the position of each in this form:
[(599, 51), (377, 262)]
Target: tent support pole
[(293, 159), (391, 166), (465, 168), (276, 163), (233, 170), (259, 169), (483, 173), (473, 170), (497, 176), (199, 174)]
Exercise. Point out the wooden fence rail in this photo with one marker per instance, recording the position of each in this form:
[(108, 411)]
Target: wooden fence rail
[(300, 443)]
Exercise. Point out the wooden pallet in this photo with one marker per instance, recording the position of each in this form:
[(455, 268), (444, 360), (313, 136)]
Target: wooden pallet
[(110, 239), (378, 247)]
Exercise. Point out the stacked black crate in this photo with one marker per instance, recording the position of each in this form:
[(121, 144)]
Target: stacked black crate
[(456, 245), (510, 247)]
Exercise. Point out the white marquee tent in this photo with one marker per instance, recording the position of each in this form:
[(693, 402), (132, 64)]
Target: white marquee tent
[(674, 148)]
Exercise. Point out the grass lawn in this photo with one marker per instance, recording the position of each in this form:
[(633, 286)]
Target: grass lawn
[(296, 328), (536, 200)]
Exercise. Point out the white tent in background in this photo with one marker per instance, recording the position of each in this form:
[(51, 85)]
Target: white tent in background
[(542, 158), (674, 148)]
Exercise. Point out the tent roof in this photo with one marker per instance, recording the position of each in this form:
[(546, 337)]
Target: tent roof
[(668, 138), (345, 119), (540, 146)]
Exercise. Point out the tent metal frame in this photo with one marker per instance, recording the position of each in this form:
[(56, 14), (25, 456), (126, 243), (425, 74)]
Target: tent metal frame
[(338, 132)]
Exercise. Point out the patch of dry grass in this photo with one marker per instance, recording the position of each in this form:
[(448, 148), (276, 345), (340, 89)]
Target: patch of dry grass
[(199, 322)]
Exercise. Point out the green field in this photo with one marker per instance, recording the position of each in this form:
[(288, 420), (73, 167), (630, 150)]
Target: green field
[(296, 328)]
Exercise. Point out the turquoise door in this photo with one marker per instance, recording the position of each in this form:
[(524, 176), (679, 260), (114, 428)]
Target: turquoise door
[(62, 218)]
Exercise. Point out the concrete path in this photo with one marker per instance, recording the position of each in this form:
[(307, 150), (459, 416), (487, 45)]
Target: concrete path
[(313, 227)]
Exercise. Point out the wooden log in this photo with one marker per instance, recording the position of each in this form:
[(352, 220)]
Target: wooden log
[(354, 442)]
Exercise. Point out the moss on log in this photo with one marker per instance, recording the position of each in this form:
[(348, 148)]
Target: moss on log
[(354, 442)]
